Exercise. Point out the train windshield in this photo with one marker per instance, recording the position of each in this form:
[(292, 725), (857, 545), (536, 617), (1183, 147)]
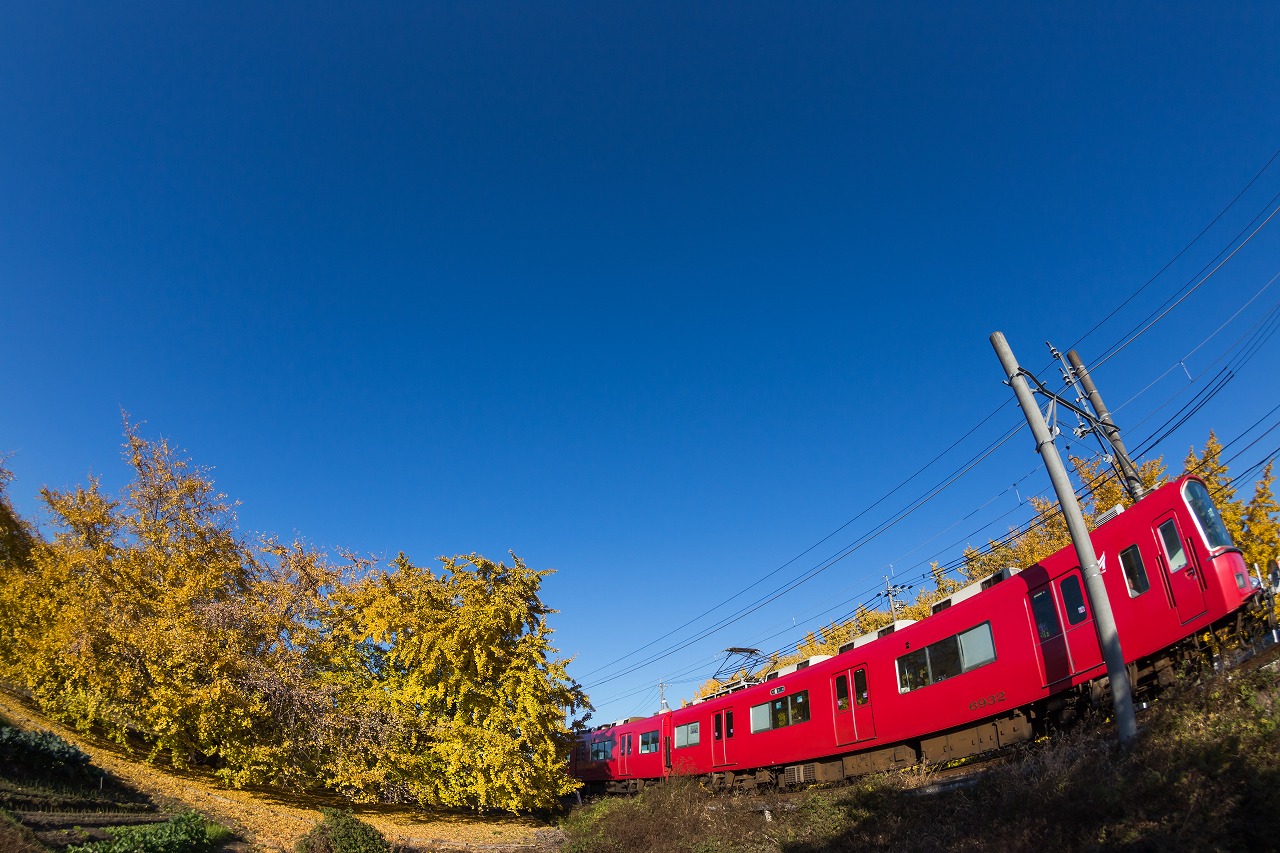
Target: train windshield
[(1207, 516)]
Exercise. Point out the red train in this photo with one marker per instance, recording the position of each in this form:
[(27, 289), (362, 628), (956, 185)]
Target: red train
[(998, 662)]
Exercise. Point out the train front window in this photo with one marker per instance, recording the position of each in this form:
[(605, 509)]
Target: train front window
[(1173, 545), (1207, 516)]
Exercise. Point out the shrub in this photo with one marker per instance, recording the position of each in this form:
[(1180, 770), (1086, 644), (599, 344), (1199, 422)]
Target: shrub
[(42, 752), (342, 832), (187, 832)]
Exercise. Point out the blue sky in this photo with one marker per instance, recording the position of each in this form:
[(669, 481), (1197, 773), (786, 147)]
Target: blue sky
[(655, 297)]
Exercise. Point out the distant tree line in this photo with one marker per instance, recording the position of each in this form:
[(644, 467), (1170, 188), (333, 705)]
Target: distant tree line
[(147, 618), (1254, 527)]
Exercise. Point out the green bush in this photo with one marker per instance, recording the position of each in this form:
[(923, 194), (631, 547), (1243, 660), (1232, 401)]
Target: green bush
[(183, 833), (42, 752), (343, 832)]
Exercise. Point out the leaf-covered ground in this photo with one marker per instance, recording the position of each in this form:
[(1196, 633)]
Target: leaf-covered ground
[(273, 821)]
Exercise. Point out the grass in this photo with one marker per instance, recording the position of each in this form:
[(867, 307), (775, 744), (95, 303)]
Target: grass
[(1204, 776)]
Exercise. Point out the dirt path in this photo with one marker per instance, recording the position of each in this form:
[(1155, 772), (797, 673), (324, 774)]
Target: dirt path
[(273, 821)]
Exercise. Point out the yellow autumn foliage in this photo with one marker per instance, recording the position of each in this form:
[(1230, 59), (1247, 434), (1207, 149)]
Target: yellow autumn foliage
[(147, 618)]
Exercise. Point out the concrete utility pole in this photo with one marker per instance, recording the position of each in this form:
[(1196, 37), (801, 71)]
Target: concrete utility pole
[(1095, 587), (890, 590), (1123, 463)]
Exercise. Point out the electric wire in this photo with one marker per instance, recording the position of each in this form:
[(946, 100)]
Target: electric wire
[(806, 551), (1150, 322), (1182, 252), (820, 567), (1155, 318)]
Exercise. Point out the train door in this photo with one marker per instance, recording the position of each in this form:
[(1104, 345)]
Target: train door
[(1081, 635), (722, 738), (624, 755), (666, 742), (854, 718), (1053, 645), (1188, 595)]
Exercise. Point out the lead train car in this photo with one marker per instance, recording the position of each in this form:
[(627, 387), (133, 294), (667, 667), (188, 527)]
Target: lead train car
[(996, 663)]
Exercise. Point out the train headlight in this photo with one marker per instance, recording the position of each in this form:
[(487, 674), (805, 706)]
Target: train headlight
[(1240, 580)]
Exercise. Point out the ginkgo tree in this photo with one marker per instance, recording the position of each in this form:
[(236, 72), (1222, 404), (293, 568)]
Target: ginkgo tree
[(147, 618), (459, 665), (1260, 524)]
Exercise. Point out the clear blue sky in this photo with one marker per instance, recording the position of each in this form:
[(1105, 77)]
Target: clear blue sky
[(658, 298)]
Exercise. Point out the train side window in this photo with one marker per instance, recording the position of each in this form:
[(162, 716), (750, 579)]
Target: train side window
[(728, 724), (1047, 624), (760, 718), (1135, 574), (800, 707), (913, 670), (648, 742), (860, 694), (781, 712), (1073, 600), (687, 735), (977, 647), (627, 748), (842, 692), (944, 659), (1173, 545), (717, 728)]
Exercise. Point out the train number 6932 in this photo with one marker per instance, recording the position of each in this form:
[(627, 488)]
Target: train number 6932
[(986, 700)]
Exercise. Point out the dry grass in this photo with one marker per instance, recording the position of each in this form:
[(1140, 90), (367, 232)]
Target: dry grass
[(274, 821), (15, 838), (1205, 776)]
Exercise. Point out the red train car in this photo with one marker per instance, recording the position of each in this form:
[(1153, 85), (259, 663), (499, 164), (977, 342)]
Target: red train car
[(997, 662)]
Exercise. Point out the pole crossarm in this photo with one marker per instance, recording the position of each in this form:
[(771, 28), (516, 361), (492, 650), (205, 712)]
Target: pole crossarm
[(1101, 426)]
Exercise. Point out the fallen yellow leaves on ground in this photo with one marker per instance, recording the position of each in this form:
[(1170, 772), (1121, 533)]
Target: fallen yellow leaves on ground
[(274, 821)]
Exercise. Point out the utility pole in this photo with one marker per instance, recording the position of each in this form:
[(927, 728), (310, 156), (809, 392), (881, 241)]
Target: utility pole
[(1111, 432), (1095, 587), (890, 590)]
